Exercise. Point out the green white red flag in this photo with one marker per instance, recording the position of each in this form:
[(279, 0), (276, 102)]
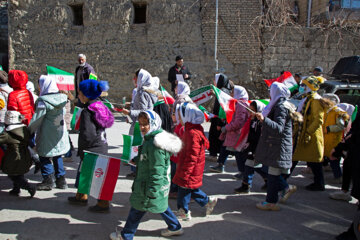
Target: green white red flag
[(131, 144), (208, 115), (64, 80), (227, 104), (201, 95), (111, 106), (285, 78), (98, 176), (168, 99), (75, 120), (93, 76)]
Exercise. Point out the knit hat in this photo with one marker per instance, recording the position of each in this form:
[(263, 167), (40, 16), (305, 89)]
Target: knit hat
[(17, 79), (92, 89), (13, 117), (313, 82)]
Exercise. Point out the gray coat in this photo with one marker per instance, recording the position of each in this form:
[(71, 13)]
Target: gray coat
[(275, 144)]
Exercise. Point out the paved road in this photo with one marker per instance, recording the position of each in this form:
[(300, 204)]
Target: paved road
[(307, 215)]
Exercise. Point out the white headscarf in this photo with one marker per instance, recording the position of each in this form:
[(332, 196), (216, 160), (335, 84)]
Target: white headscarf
[(47, 85), (144, 79), (259, 106), (190, 113), (155, 83), (217, 78), (240, 93), (183, 88), (277, 90), (30, 86), (154, 121), (349, 108)]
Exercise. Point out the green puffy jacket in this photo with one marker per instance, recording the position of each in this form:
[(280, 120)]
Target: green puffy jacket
[(151, 186)]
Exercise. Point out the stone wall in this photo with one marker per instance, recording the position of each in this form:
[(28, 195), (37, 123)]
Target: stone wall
[(42, 33), (3, 33), (300, 50)]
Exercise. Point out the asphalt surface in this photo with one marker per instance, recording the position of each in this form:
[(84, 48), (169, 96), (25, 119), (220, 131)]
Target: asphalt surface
[(306, 215)]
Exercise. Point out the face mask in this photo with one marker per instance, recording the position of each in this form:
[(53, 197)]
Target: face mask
[(301, 90)]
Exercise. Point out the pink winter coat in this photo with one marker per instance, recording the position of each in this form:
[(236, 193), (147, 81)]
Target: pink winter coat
[(233, 128)]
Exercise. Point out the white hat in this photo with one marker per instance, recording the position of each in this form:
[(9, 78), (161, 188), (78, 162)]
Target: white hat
[(13, 117)]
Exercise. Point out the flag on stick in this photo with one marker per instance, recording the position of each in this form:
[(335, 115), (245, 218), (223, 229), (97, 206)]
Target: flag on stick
[(227, 104), (201, 95), (286, 78), (75, 121), (167, 97), (93, 76), (353, 116), (64, 80), (111, 106), (208, 115), (131, 144), (98, 176)]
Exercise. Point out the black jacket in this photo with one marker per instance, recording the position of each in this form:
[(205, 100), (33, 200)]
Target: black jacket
[(176, 70), (81, 74), (92, 136)]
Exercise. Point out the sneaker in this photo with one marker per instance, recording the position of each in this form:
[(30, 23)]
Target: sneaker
[(211, 158), (315, 187), (98, 209), (218, 168), (169, 233), (287, 193), (238, 176), (182, 215), (113, 236), (210, 205), (243, 189), (268, 206), (341, 195)]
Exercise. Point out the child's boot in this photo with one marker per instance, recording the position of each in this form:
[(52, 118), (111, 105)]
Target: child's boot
[(102, 206), (47, 184), (61, 182), (79, 199)]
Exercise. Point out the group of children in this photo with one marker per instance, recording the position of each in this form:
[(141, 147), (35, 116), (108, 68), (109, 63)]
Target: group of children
[(264, 139)]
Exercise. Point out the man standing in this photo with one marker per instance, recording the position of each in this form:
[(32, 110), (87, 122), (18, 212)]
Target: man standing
[(179, 72), (82, 72)]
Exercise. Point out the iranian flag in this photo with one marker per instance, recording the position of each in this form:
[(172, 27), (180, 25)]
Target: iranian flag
[(98, 176), (64, 80), (227, 104), (111, 106), (93, 76), (208, 115), (75, 120), (131, 144), (286, 78), (201, 95), (168, 99)]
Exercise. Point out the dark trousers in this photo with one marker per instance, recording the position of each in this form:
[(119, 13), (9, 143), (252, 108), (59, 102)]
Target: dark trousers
[(239, 156), (173, 186), (346, 178), (19, 181), (133, 221), (317, 169), (250, 172), (274, 185)]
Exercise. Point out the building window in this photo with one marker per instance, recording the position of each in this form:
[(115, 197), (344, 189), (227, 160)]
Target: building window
[(77, 11), (139, 13)]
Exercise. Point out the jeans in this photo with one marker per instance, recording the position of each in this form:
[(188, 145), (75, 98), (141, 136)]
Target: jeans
[(250, 172), (48, 168), (276, 182), (133, 221), (239, 156), (317, 169), (173, 186), (336, 169), (185, 194)]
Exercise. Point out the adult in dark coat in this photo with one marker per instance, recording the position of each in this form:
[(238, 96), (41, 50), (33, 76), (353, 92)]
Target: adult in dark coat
[(222, 82), (82, 72), (351, 146), (275, 145), (178, 68)]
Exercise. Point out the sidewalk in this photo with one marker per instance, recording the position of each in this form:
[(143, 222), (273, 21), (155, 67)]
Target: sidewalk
[(306, 215)]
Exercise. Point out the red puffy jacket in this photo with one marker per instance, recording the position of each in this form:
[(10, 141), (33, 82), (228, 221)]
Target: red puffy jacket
[(20, 99), (190, 167)]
